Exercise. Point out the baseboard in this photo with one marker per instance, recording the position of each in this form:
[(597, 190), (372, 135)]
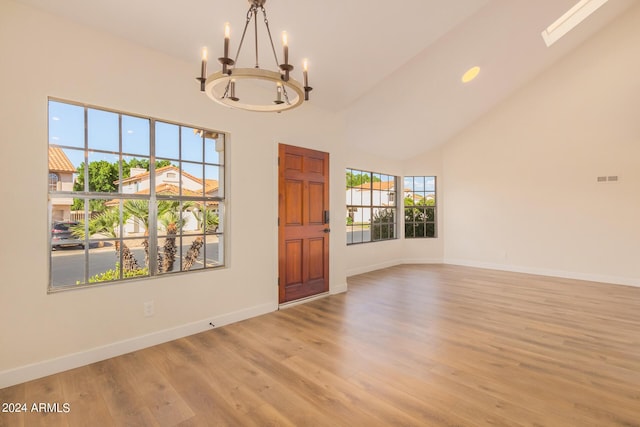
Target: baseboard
[(60, 364), (338, 289), (372, 267), (422, 261), (615, 280), (387, 264)]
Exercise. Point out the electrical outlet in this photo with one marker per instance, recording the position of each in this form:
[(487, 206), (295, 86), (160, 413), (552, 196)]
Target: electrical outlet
[(148, 308)]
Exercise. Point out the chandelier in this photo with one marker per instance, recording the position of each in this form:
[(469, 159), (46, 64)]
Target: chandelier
[(270, 91)]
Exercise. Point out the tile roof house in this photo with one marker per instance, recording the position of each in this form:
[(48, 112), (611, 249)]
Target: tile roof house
[(167, 184), (61, 172)]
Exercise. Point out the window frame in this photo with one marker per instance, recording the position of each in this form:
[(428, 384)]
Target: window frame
[(386, 227), (54, 179), (153, 198), (434, 208)]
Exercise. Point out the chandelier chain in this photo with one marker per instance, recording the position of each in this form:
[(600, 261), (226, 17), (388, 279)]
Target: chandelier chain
[(286, 95), (244, 32), (266, 24)]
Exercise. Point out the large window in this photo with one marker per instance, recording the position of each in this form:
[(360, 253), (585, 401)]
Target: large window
[(371, 206), (134, 197), (420, 206)]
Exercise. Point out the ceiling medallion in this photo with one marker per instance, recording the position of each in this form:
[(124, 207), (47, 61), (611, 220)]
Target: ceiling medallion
[(270, 91)]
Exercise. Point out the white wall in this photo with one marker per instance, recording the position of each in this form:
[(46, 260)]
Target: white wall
[(43, 55), (429, 250), (520, 188), (517, 190), (364, 257)]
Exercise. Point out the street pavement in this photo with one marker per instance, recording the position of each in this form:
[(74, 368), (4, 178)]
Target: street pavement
[(67, 264)]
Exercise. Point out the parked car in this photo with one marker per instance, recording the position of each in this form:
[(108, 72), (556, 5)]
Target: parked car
[(61, 235)]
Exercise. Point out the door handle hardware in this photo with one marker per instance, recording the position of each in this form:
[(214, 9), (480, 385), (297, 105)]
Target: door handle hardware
[(327, 230)]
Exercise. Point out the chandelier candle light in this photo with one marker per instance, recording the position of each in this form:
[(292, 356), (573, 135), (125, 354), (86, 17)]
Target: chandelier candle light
[(221, 86)]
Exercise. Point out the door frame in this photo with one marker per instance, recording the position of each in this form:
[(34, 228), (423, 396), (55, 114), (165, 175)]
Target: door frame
[(281, 226)]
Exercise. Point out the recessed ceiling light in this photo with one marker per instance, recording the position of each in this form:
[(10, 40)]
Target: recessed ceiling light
[(574, 16), (470, 74)]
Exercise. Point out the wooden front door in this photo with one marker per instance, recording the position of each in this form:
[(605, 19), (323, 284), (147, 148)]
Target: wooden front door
[(303, 218)]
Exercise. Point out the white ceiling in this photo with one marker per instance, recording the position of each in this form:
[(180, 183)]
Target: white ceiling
[(388, 52)]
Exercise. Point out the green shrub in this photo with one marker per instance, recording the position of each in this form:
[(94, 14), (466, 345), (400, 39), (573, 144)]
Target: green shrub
[(114, 274), (383, 225)]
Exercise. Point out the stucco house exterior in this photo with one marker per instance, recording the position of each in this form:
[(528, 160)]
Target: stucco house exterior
[(167, 182), (61, 172)]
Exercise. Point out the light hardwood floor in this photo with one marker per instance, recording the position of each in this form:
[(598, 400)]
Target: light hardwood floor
[(410, 345)]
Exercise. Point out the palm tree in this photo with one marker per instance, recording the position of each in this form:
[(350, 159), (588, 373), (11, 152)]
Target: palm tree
[(172, 221), (108, 224), (192, 253), (207, 219), (139, 209)]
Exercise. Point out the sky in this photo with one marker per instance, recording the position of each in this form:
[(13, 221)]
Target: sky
[(66, 128)]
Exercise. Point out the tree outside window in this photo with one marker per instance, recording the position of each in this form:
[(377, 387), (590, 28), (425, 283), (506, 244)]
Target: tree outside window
[(144, 197), (420, 206)]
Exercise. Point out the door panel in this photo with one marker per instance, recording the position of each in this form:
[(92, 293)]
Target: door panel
[(293, 275), (293, 193), (303, 182), (316, 254), (316, 202)]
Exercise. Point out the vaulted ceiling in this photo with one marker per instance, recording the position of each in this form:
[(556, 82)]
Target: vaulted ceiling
[(390, 54)]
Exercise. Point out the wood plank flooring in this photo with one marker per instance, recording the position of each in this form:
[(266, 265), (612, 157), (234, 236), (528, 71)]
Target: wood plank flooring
[(412, 345)]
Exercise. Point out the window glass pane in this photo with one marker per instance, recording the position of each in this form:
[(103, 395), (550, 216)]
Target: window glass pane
[(167, 141), (214, 251), (408, 230), (192, 144), (167, 178), (66, 124), (376, 198), (67, 266), (430, 214), (430, 183), (136, 219), (103, 220), (192, 179), (382, 224), (430, 199), (168, 254), (408, 183), (203, 218), (104, 170), (214, 186), (135, 135), (64, 163), (136, 177), (103, 130), (193, 250), (356, 196)]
